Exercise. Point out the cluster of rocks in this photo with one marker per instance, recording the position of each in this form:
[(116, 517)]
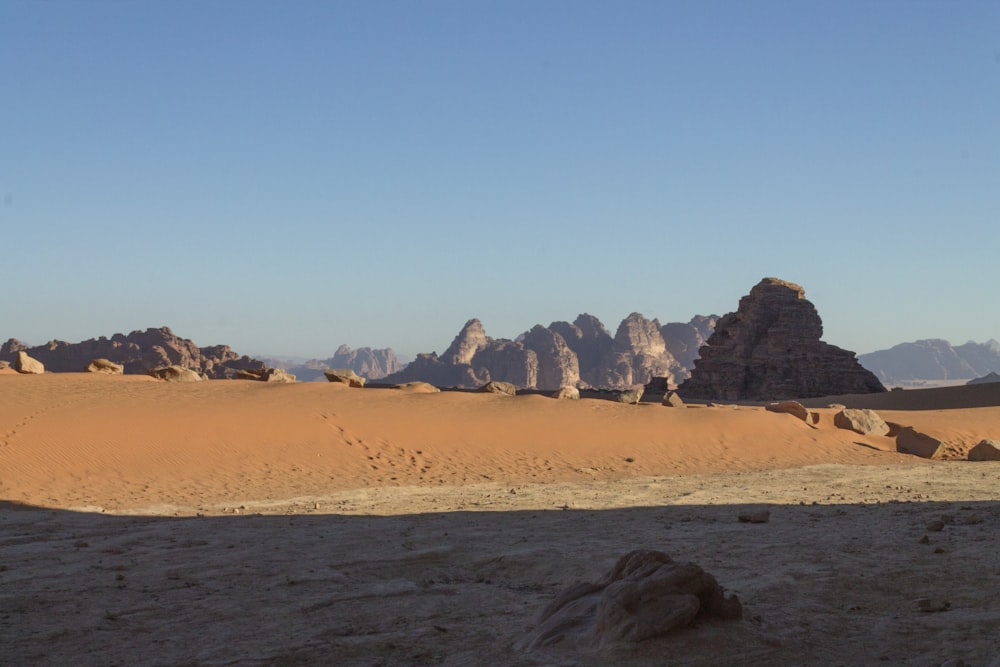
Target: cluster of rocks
[(579, 354), (908, 439), (137, 353), (770, 349)]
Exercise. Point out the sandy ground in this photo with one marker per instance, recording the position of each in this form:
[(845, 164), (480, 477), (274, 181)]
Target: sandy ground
[(233, 522)]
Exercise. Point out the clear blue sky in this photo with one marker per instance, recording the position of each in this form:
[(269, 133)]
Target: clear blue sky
[(285, 177)]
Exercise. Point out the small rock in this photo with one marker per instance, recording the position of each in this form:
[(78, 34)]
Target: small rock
[(105, 366), (924, 540), (935, 526), (630, 396), (672, 399), (759, 516), (931, 604)]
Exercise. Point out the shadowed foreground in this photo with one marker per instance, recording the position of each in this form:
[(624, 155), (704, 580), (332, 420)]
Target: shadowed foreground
[(825, 584)]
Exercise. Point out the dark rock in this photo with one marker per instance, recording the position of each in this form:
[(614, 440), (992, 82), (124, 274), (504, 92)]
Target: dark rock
[(770, 349), (911, 441), (631, 396), (672, 400), (986, 450)]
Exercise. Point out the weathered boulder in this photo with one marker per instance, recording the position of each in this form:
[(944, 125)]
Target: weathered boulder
[(986, 450), (568, 393), (645, 595), (865, 422), (344, 376), (770, 349), (911, 441), (278, 375), (176, 374), (494, 387), (672, 399), (28, 365), (417, 388), (789, 407), (105, 366), (631, 396)]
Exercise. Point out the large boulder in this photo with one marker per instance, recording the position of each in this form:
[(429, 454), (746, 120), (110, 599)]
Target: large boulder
[(344, 376), (770, 350), (912, 441), (672, 399), (986, 450), (567, 393), (496, 387), (645, 595), (104, 366), (865, 422), (630, 396), (26, 364), (789, 407), (175, 374)]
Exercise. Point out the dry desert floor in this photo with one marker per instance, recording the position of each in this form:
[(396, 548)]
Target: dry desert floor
[(242, 523)]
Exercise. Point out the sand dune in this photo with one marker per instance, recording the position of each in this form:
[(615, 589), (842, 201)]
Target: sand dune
[(319, 524)]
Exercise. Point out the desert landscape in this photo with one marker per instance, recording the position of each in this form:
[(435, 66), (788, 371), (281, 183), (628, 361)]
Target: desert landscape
[(236, 522)]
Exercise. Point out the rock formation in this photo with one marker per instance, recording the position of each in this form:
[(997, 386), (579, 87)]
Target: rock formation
[(557, 363), (591, 343), (344, 376), (683, 341), (770, 349), (933, 359), (986, 450), (865, 422), (138, 352), (989, 378), (639, 353), (645, 595), (469, 340)]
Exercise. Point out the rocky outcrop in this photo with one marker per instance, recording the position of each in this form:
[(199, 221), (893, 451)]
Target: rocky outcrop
[(645, 595), (591, 343), (789, 407), (369, 363), (683, 341), (28, 365), (567, 393), (506, 361), (770, 349), (639, 353), (557, 363), (138, 352), (105, 366), (469, 340), (275, 375), (428, 367)]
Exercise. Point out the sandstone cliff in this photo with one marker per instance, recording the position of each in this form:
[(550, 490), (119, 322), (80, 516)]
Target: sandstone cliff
[(138, 352), (770, 349)]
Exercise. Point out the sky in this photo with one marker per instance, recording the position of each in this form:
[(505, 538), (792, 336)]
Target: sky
[(287, 177)]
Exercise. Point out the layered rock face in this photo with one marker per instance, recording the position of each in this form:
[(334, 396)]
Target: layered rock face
[(685, 339), (138, 352), (557, 363), (770, 349), (639, 353), (591, 343)]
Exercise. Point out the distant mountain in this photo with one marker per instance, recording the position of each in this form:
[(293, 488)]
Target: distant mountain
[(138, 352), (582, 353), (933, 359), (367, 362)]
